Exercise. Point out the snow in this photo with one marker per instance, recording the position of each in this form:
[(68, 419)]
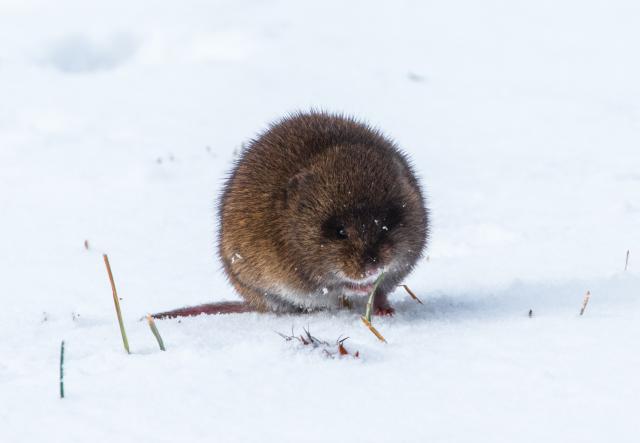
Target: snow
[(119, 121)]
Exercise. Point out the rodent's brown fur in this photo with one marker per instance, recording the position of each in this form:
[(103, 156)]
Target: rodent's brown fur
[(296, 192)]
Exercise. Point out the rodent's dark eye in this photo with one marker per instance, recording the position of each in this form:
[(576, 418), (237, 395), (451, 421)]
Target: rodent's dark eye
[(341, 232)]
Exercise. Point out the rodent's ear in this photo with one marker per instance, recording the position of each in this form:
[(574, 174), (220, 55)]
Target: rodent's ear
[(296, 184)]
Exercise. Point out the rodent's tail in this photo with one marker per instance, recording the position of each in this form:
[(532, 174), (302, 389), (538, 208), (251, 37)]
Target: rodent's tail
[(226, 307)]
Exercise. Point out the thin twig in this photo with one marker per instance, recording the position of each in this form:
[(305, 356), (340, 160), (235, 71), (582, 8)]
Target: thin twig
[(286, 337), (375, 332), (156, 333), (585, 301), (117, 304), (626, 263), (410, 292), (62, 369), (305, 339)]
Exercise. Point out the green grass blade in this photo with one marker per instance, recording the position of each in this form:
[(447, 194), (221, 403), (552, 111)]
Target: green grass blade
[(62, 369), (116, 302), (156, 333), (367, 313)]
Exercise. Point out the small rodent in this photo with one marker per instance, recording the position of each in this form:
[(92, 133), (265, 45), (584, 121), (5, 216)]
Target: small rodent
[(314, 210)]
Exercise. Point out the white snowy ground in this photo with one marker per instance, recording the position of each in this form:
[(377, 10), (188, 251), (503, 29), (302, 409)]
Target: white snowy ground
[(119, 120)]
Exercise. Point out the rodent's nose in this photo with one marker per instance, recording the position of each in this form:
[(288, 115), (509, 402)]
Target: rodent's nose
[(371, 263)]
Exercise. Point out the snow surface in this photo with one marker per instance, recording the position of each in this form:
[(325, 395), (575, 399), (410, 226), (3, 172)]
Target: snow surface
[(119, 120)]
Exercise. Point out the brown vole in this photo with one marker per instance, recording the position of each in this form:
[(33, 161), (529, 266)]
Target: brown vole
[(314, 210)]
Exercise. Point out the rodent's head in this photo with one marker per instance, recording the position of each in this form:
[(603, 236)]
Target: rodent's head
[(353, 213)]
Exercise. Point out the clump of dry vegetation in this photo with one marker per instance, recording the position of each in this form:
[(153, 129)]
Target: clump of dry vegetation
[(330, 350)]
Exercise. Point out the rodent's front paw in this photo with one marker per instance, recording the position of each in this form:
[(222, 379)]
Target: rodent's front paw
[(385, 311)]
